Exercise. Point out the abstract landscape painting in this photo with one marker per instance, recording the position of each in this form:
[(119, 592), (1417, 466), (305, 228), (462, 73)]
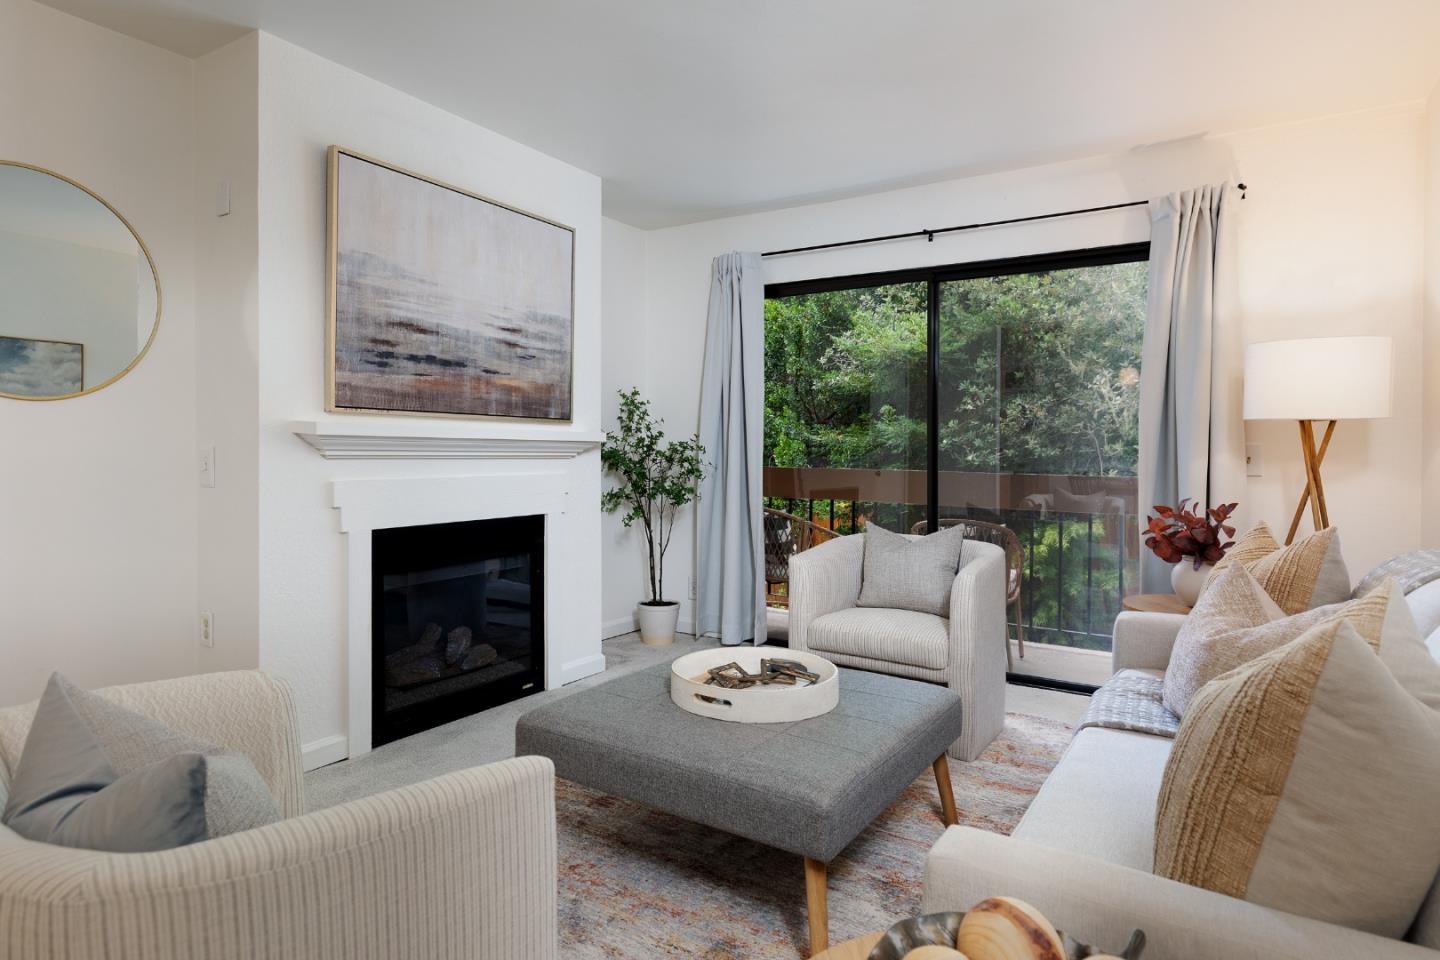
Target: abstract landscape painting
[(41, 368), (445, 303)]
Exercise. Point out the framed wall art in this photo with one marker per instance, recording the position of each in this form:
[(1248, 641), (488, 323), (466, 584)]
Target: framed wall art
[(442, 302)]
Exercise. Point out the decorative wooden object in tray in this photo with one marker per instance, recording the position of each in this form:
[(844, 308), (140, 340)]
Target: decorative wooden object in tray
[(754, 685)]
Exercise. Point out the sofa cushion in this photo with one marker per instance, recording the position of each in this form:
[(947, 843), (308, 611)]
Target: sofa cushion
[(910, 573), (1236, 621), (1305, 574), (1100, 799), (1305, 781), (96, 775), (894, 636)]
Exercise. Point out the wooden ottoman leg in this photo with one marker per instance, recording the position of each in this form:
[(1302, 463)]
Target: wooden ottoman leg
[(947, 794), (816, 906)]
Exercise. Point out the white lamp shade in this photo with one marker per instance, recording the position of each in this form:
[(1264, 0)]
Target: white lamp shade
[(1320, 378)]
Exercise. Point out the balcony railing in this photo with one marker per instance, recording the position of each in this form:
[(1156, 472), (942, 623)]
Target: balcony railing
[(1080, 533)]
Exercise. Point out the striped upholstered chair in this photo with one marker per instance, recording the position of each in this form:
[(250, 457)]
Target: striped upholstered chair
[(459, 866), (964, 651)]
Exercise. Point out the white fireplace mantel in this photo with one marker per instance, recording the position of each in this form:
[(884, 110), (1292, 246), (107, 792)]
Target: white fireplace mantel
[(398, 438), (572, 643)]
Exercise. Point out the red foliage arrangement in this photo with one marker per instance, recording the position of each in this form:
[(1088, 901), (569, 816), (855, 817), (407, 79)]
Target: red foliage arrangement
[(1179, 532)]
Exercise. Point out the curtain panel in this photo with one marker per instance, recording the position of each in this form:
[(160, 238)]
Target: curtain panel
[(730, 585), (1192, 437)]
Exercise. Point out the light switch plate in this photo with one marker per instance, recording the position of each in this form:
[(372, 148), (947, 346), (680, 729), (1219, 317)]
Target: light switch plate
[(207, 630), (1253, 464), (207, 466)]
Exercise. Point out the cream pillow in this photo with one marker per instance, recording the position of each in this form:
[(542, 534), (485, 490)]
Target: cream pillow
[(1236, 621), (1304, 575), (1305, 781)]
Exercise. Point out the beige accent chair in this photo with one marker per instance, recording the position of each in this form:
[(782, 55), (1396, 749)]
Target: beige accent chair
[(459, 866), (965, 651)]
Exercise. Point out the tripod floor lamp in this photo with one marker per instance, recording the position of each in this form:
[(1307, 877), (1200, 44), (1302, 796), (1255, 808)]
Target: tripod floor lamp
[(1320, 378)]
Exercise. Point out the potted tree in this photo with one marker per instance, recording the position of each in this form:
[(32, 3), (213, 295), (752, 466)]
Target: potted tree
[(656, 478)]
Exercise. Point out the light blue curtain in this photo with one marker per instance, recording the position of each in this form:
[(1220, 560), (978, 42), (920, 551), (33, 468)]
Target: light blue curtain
[(730, 585), (1192, 437)]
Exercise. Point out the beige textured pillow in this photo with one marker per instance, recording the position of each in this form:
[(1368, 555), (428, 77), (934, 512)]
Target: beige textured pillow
[(1236, 621), (1305, 781), (1304, 575)]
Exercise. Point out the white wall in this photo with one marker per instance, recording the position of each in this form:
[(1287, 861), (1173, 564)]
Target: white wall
[(1330, 243), (623, 365), (227, 350), (97, 494), (307, 103), (1430, 440)]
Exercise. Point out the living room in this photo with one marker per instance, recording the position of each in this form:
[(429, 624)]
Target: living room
[(1013, 281)]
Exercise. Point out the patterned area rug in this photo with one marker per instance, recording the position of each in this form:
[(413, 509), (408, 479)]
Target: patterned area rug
[(636, 884)]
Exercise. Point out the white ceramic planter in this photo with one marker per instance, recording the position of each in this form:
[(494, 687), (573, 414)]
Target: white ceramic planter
[(657, 622), (763, 704), (1186, 581)]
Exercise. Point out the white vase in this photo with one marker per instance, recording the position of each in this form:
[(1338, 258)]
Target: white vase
[(1186, 581), (657, 622)]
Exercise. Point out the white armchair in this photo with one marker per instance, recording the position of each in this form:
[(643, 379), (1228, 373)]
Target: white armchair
[(459, 866), (965, 652)]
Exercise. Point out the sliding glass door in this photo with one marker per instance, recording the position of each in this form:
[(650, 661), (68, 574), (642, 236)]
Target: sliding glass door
[(846, 393), (1003, 393)]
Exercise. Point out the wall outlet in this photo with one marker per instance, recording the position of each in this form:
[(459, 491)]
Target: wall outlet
[(207, 466), (207, 629), (1253, 462), (692, 586)]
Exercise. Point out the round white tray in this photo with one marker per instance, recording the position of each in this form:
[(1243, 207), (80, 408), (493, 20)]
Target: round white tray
[(760, 704)]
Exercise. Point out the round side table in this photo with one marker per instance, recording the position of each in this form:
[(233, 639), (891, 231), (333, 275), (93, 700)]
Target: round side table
[(1155, 603)]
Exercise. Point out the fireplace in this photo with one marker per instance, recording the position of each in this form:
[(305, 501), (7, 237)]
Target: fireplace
[(458, 620)]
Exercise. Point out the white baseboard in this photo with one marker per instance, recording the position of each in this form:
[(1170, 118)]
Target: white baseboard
[(617, 627), (325, 751), (582, 668), (623, 625)]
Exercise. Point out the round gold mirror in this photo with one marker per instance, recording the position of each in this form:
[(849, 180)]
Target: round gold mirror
[(81, 299)]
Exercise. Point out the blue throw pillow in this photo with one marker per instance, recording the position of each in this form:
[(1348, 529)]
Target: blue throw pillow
[(96, 775)]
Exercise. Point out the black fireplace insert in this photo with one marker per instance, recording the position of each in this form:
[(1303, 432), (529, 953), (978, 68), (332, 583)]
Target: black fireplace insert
[(458, 621)]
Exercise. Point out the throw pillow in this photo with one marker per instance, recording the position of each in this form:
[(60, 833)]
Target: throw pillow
[(1236, 621), (899, 573), (1305, 781), (1305, 574), (94, 774)]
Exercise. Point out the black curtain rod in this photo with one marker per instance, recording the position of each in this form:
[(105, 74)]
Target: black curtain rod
[(930, 235)]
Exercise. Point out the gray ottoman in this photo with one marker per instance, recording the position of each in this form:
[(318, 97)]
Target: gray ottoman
[(808, 787)]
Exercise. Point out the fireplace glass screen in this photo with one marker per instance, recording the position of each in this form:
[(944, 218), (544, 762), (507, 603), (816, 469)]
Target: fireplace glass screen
[(458, 620)]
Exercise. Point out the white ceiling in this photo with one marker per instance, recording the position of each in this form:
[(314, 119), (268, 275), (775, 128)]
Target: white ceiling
[(692, 109)]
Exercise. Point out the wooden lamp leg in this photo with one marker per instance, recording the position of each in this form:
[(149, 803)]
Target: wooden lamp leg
[(816, 906), (1314, 493)]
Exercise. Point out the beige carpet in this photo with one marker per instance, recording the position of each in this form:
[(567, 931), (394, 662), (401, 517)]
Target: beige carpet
[(638, 884)]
